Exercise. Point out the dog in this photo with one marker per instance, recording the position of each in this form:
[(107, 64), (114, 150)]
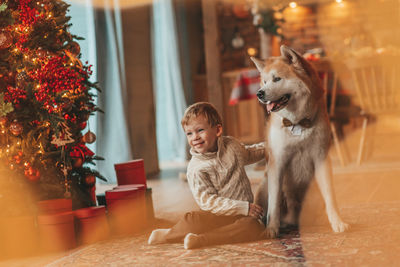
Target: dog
[(298, 138)]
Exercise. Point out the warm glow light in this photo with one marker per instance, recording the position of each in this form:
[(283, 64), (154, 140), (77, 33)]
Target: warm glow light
[(293, 4), (251, 51), (339, 1)]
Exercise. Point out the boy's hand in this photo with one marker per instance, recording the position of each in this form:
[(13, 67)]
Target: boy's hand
[(255, 211)]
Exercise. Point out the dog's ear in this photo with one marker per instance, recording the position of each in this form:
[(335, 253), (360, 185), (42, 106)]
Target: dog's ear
[(259, 63), (291, 55), (295, 59)]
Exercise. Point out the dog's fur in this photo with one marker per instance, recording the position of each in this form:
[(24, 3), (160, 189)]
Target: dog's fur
[(296, 153)]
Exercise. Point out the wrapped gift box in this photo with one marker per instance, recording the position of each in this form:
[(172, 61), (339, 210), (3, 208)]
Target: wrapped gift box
[(131, 172), (57, 231), (52, 206), (127, 210), (91, 224)]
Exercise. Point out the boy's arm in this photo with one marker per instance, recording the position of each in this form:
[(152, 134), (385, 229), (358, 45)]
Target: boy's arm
[(207, 197), (254, 153)]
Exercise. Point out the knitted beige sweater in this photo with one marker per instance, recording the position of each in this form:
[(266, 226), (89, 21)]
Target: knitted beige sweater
[(218, 181)]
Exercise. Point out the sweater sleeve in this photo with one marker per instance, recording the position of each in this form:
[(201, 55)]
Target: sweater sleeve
[(254, 153), (207, 197)]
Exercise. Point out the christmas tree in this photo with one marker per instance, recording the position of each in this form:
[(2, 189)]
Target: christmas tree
[(46, 99)]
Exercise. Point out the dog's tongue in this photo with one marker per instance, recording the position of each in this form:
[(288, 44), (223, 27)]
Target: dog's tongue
[(270, 106)]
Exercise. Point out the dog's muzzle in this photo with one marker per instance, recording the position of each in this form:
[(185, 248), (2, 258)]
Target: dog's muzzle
[(260, 95)]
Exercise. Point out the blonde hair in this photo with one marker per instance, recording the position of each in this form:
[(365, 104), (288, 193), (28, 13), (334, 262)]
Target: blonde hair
[(202, 108)]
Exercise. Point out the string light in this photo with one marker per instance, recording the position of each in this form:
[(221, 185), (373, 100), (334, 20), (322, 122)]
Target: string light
[(339, 1), (293, 4)]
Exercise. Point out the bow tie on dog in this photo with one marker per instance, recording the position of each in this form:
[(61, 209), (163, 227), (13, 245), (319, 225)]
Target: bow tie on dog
[(305, 123)]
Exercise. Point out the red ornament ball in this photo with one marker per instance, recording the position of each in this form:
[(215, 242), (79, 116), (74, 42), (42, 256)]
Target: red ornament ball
[(32, 174), (77, 162), (90, 180), (82, 125), (240, 11)]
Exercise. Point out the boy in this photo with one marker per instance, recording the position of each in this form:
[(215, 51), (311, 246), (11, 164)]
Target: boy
[(219, 184)]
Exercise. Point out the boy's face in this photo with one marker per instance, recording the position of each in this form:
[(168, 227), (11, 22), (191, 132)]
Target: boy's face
[(201, 136)]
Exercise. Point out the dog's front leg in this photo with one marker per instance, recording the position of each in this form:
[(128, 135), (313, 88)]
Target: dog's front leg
[(323, 175), (261, 197), (274, 195)]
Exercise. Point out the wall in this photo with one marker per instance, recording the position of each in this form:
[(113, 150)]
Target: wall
[(232, 18)]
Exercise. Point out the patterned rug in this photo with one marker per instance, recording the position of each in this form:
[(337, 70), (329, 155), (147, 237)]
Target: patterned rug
[(372, 241)]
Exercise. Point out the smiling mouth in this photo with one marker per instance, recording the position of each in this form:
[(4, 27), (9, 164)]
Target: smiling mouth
[(279, 104)]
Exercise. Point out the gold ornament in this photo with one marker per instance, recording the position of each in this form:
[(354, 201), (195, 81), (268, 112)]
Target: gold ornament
[(89, 137), (5, 39), (21, 80), (74, 48), (16, 128)]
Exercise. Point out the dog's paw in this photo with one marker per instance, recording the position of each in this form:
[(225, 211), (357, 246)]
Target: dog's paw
[(271, 232), (340, 226)]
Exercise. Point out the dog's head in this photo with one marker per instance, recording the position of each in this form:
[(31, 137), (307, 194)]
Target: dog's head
[(287, 82)]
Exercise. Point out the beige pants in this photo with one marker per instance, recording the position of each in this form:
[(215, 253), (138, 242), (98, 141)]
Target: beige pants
[(214, 229)]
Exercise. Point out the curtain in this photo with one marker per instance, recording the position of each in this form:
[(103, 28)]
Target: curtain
[(102, 30), (169, 93)]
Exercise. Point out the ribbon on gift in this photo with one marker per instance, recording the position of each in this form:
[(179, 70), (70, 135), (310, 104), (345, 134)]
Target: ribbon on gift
[(246, 86)]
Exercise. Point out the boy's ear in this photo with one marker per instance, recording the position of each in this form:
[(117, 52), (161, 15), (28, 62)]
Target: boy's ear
[(219, 130)]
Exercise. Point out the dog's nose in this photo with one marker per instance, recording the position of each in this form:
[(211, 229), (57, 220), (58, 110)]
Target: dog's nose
[(260, 94)]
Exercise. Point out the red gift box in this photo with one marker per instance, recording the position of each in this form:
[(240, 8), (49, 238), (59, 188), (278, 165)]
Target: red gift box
[(127, 186), (131, 172), (148, 198), (51, 206), (57, 231), (126, 210), (91, 224)]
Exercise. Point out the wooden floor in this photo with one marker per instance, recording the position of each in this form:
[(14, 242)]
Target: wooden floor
[(367, 195)]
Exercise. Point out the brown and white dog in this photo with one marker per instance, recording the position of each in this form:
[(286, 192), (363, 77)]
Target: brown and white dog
[(298, 138)]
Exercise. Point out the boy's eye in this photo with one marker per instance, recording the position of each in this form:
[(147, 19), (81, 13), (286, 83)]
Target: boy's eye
[(200, 130), (189, 134)]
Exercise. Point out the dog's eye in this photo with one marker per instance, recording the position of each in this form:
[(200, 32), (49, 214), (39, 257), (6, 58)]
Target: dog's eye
[(276, 79)]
